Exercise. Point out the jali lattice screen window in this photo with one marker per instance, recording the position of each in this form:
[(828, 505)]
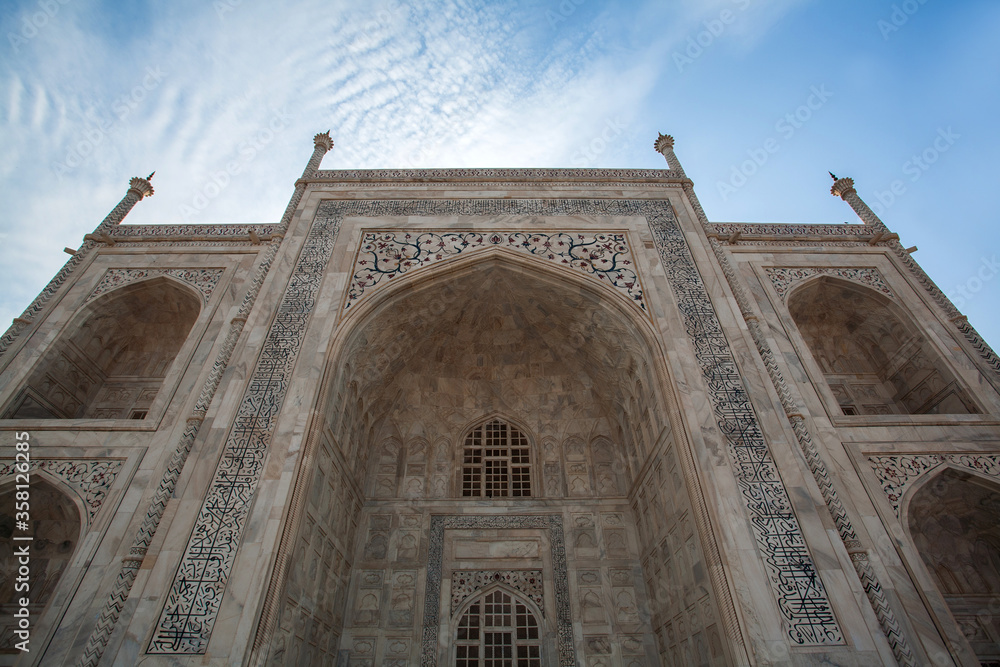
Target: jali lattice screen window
[(496, 462)]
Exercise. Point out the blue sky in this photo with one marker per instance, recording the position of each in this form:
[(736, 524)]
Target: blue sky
[(904, 97)]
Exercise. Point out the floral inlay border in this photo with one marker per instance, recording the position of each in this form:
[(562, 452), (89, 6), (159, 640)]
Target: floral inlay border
[(386, 254), (465, 583), (91, 478), (896, 473), (203, 280), (784, 277)]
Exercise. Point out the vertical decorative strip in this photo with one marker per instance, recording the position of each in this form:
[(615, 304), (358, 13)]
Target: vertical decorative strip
[(192, 604), (800, 594)]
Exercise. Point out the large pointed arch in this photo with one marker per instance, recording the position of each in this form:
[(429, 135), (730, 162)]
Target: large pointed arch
[(456, 341)]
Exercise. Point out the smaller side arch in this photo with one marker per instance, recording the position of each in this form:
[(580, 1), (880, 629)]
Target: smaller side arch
[(873, 356), (111, 359), (56, 526), (953, 519)]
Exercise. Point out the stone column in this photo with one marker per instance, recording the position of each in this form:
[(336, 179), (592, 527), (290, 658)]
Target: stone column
[(844, 188), (322, 143), (664, 145)]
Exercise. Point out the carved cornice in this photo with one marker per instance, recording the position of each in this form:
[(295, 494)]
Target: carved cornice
[(605, 176), (746, 230)]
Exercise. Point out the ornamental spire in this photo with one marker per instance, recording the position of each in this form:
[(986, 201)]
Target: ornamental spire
[(844, 188), (138, 188), (322, 144), (664, 145)]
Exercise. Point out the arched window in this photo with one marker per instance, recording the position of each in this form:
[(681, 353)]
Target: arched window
[(498, 630), (496, 462)]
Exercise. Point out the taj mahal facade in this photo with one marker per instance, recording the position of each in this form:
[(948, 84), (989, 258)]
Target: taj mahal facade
[(498, 417)]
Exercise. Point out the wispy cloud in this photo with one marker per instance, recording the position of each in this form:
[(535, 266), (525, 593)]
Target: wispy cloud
[(447, 83)]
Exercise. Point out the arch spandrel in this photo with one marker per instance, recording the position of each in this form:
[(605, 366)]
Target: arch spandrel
[(385, 255), (204, 280), (788, 279)]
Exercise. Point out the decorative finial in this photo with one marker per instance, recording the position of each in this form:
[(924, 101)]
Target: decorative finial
[(150, 177), (141, 186), (842, 187), (832, 176), (323, 139), (663, 142)]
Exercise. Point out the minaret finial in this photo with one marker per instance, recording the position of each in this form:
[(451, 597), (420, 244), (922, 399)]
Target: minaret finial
[(664, 145), (322, 144), (832, 176), (844, 188)]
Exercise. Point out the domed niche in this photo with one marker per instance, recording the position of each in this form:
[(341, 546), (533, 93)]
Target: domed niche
[(111, 360), (54, 527), (875, 359), (954, 520)]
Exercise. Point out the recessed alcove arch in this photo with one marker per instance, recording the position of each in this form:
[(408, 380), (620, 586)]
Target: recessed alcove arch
[(442, 351), (55, 526), (954, 521), (875, 359), (110, 361)]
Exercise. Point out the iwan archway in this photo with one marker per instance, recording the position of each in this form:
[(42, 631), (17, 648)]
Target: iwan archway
[(545, 374)]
